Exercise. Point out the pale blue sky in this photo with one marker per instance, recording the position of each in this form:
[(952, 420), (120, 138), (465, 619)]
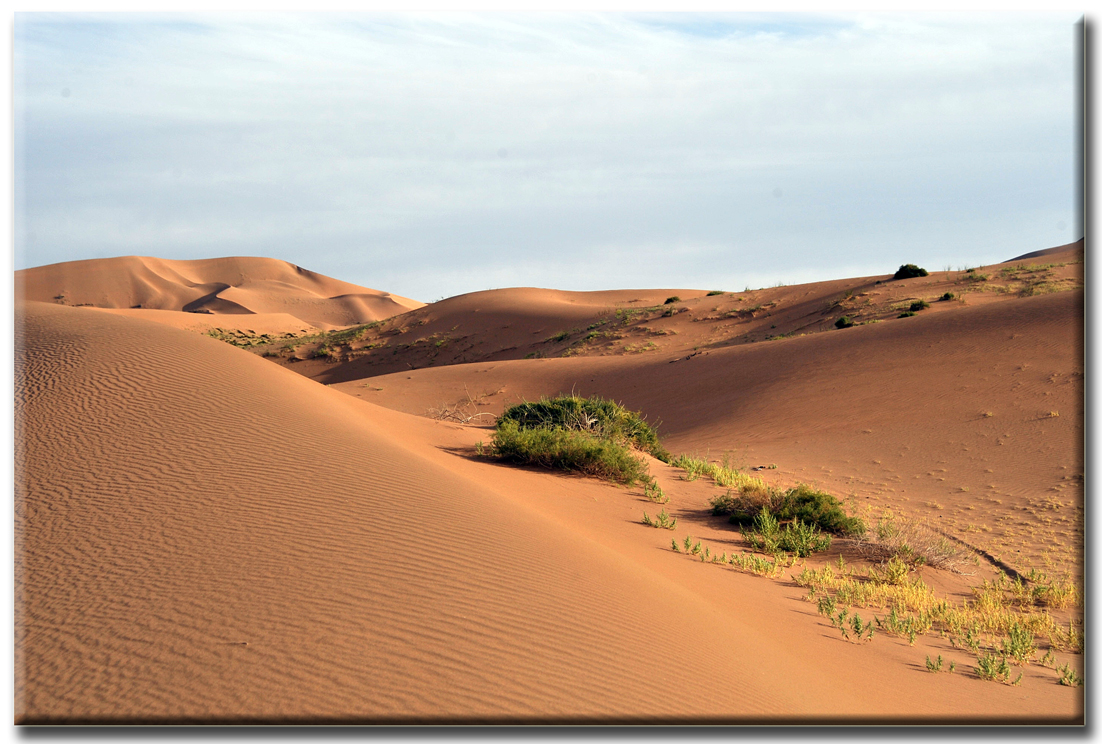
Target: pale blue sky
[(435, 154)]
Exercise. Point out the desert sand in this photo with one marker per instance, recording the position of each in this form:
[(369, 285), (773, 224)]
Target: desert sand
[(213, 534)]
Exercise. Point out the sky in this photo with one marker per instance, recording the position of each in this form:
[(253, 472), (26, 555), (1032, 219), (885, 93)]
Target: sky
[(434, 154)]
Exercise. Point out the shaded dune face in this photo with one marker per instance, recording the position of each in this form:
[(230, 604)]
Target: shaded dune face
[(230, 286)]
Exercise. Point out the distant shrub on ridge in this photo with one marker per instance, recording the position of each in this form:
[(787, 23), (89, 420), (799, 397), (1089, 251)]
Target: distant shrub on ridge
[(909, 271)]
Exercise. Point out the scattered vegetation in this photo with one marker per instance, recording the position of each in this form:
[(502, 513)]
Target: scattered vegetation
[(247, 339), (909, 271), (843, 322), (746, 562), (906, 313), (919, 305)]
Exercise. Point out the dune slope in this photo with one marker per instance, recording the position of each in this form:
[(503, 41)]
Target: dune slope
[(203, 536)]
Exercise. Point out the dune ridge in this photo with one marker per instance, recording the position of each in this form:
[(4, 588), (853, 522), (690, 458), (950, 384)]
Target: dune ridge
[(221, 286)]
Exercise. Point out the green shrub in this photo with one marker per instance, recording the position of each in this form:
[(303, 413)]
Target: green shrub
[(567, 449), (919, 305), (906, 313), (819, 509), (602, 418), (723, 504), (948, 296), (715, 292), (671, 300), (843, 322), (908, 271)]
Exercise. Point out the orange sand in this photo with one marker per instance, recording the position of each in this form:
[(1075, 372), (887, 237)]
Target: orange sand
[(203, 536)]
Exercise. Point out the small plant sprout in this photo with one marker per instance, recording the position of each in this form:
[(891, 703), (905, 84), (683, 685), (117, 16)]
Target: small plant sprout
[(1019, 645), (654, 492), (861, 629), (1048, 660), (478, 449), (827, 606), (665, 522), (673, 544), (993, 667), (1068, 677), (934, 666), (688, 542), (952, 666)]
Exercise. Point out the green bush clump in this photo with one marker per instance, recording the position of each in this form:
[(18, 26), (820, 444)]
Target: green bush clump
[(919, 305), (671, 300), (597, 416), (908, 271), (715, 292), (803, 503), (567, 449), (906, 313), (820, 509), (843, 322), (948, 296)]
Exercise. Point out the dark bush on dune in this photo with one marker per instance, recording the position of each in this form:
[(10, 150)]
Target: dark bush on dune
[(820, 509), (811, 507), (843, 322), (909, 271)]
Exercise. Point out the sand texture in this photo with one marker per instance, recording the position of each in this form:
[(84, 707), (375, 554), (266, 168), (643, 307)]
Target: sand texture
[(203, 535)]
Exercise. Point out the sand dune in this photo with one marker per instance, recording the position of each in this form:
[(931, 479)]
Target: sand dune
[(516, 324), (1060, 252), (932, 415), (203, 536), (222, 286)]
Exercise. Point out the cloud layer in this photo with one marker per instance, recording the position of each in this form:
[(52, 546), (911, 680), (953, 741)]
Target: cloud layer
[(435, 154)]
